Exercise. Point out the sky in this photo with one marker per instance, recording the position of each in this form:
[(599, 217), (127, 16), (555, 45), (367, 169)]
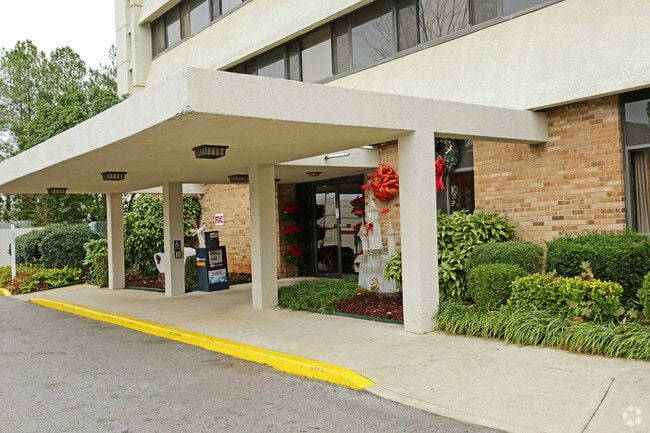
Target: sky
[(87, 26)]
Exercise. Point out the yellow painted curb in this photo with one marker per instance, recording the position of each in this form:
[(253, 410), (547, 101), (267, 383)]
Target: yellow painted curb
[(278, 360), (4, 292)]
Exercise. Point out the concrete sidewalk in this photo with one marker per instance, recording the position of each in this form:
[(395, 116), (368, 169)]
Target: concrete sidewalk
[(517, 389)]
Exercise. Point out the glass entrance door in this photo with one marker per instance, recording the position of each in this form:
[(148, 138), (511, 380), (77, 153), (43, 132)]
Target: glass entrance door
[(334, 222)]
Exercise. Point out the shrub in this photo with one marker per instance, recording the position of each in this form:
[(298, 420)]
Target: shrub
[(458, 234), (97, 261), (575, 296), (393, 269), (527, 255), (30, 278), (489, 284), (644, 295), (55, 246), (191, 273), (143, 227), (28, 247), (623, 258)]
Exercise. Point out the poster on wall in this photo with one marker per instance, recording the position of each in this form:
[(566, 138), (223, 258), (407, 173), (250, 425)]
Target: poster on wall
[(218, 219)]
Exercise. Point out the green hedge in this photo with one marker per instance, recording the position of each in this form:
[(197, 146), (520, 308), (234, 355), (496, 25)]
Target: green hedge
[(55, 246), (489, 284), (644, 295), (623, 258), (571, 296), (527, 255)]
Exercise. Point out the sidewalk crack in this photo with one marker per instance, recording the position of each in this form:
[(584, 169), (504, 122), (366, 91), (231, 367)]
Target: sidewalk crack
[(600, 403)]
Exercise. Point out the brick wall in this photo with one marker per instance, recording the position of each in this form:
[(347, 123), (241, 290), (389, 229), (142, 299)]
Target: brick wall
[(233, 202), (573, 183)]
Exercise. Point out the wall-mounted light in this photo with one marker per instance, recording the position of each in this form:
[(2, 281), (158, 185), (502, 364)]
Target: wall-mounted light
[(56, 191), (367, 147), (314, 173), (238, 178), (337, 155), (208, 151), (113, 175)]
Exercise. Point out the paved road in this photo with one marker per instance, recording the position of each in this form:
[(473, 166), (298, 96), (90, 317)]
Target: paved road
[(63, 373)]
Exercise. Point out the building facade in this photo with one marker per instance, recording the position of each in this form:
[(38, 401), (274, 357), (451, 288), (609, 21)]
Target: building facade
[(542, 105), (558, 57)]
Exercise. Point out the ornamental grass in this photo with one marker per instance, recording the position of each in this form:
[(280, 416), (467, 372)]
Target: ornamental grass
[(530, 327)]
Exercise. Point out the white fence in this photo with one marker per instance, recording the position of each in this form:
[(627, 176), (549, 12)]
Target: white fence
[(5, 258)]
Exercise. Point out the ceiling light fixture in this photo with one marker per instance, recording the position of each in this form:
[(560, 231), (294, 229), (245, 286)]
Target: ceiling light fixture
[(113, 175), (208, 151), (337, 155), (238, 178), (56, 191), (314, 173)]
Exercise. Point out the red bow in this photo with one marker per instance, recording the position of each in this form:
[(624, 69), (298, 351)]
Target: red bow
[(440, 169)]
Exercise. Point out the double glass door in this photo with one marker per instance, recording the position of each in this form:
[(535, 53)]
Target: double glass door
[(333, 225)]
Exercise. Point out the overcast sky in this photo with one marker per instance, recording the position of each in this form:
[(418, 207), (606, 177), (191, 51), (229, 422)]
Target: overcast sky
[(87, 26)]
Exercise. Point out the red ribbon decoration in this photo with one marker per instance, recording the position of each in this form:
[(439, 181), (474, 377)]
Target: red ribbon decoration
[(385, 183), (440, 169), (369, 227)]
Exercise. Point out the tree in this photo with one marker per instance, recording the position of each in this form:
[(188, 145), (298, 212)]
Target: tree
[(143, 227), (41, 97)]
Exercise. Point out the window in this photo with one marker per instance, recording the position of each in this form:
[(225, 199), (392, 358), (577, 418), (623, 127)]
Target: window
[(636, 132), (438, 18), (186, 19), (372, 35), (384, 27), (513, 6), (316, 55), (173, 26), (271, 64), (199, 15), (483, 10), (459, 183)]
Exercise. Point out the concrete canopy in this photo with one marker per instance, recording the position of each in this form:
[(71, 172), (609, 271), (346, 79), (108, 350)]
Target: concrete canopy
[(267, 121), (264, 122)]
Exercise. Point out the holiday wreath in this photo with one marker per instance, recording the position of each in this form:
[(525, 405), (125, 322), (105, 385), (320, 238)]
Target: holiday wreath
[(448, 149)]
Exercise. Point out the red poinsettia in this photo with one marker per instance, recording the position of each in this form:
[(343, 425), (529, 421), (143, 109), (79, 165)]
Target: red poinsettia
[(294, 250), (292, 230), (292, 208)]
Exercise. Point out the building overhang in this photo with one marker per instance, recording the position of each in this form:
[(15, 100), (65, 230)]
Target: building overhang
[(262, 121)]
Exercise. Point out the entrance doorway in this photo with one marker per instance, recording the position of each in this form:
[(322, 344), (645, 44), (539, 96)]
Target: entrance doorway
[(332, 245)]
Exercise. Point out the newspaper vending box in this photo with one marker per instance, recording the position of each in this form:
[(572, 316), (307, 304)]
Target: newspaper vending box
[(212, 264)]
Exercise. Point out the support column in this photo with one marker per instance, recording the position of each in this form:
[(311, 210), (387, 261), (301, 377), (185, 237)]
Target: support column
[(418, 221), (173, 239), (115, 235), (264, 259)]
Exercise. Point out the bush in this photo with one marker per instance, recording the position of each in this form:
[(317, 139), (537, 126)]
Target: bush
[(96, 261), (55, 246), (143, 228), (527, 255), (30, 278), (623, 258), (191, 273), (458, 234), (28, 247), (644, 295), (592, 298), (489, 284)]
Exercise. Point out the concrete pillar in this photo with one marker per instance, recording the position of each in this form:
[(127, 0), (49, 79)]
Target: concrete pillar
[(418, 221), (173, 239), (115, 234), (264, 260)]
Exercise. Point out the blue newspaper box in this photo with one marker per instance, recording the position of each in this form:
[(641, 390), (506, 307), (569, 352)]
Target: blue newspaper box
[(212, 264)]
